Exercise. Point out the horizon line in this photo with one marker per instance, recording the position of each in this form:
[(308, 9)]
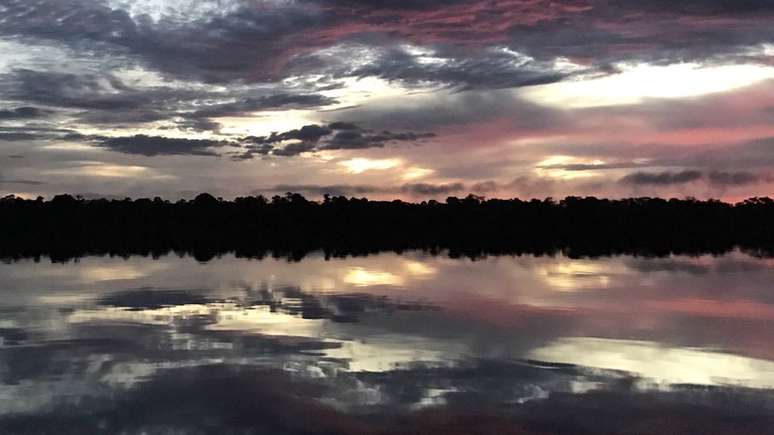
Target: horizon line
[(289, 194)]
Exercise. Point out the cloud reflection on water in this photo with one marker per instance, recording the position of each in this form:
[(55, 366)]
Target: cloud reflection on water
[(659, 364), (383, 334)]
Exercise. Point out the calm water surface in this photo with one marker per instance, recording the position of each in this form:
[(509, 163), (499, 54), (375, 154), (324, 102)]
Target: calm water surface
[(388, 344)]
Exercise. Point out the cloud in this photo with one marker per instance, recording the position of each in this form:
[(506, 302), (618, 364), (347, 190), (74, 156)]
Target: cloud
[(22, 113), (71, 90), (484, 186), (307, 133), (267, 41), (455, 109), (703, 7), (739, 178), (454, 68), (201, 119), (391, 5), (249, 42), (427, 189), (595, 166), (319, 190), (15, 181), (355, 139), (294, 149), (410, 189), (490, 68), (103, 99), (151, 298), (18, 136), (343, 126), (28, 133), (662, 178), (158, 145), (334, 136), (24, 182), (521, 186), (715, 178)]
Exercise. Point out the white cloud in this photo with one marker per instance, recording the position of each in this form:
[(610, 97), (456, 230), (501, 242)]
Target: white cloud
[(636, 83)]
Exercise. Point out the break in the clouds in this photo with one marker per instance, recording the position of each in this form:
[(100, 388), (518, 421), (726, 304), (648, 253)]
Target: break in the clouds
[(387, 98)]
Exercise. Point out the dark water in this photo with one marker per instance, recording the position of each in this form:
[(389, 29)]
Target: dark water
[(388, 344)]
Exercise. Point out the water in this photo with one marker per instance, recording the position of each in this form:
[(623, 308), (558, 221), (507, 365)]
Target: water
[(388, 344)]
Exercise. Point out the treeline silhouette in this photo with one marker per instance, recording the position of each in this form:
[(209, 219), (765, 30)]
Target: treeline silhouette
[(290, 226)]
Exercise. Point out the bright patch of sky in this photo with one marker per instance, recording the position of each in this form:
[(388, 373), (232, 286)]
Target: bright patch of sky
[(636, 83), (361, 164)]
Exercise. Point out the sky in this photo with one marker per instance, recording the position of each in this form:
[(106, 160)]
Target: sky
[(387, 98)]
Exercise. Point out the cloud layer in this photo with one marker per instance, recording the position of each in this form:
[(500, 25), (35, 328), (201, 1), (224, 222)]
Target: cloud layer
[(603, 97)]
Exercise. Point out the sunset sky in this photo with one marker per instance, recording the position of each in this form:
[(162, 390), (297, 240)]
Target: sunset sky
[(387, 98)]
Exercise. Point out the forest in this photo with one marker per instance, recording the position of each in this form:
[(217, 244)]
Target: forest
[(291, 226)]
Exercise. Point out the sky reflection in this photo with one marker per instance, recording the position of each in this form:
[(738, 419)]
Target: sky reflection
[(363, 338)]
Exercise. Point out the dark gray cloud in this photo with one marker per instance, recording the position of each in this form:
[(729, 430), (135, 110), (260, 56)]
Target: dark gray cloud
[(307, 136), (662, 178), (252, 150), (443, 109), (159, 145), (611, 31), (319, 190), (462, 69), (104, 99), (334, 136), (19, 136), (356, 139), (33, 133), (252, 42), (699, 7), (411, 189), (16, 181), (753, 156), (739, 178), (23, 182), (715, 178), (596, 167), (22, 113), (522, 185), (294, 149), (152, 298), (343, 126), (427, 189), (88, 91), (757, 153), (307, 133), (394, 4), (204, 49), (484, 187)]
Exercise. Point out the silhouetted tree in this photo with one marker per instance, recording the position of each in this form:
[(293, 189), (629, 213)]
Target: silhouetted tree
[(290, 225)]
